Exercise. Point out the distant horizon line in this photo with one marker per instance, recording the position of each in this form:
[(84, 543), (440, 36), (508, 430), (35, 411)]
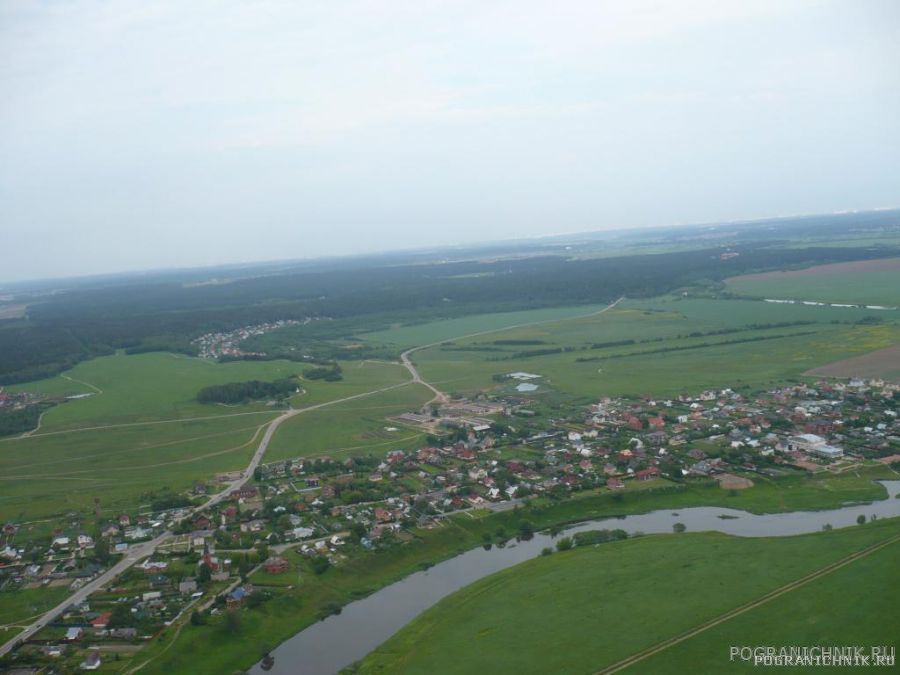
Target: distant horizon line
[(9, 284)]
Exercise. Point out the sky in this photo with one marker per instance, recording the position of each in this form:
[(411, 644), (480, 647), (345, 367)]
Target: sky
[(139, 135)]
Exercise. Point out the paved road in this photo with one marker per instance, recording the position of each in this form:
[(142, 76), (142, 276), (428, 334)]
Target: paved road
[(410, 366), (441, 396), (143, 550)]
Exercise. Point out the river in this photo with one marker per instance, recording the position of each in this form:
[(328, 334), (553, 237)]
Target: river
[(340, 640)]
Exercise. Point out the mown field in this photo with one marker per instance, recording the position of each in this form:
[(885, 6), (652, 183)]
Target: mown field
[(352, 428), (143, 432), (18, 606), (663, 346), (155, 386), (433, 331), (582, 610), (873, 282), (855, 605)]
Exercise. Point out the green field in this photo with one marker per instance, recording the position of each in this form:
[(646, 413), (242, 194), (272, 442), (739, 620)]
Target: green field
[(317, 596), (582, 610), (140, 433), (18, 606), (434, 331), (146, 387), (690, 363), (863, 286), (145, 431), (352, 428), (45, 476), (157, 386), (851, 606)]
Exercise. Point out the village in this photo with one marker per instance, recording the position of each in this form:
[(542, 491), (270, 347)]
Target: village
[(302, 516), (226, 345)]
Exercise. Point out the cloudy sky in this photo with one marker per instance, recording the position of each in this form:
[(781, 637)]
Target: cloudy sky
[(154, 134)]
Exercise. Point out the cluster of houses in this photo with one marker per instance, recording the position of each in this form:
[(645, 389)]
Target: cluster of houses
[(317, 507), (724, 435), (16, 400), (227, 344)]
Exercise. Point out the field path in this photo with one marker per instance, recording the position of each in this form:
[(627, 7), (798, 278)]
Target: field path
[(143, 550), (768, 597), (98, 390), (31, 433), (441, 396)]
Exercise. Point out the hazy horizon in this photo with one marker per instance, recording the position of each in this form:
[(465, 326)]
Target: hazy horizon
[(465, 246), (148, 136)]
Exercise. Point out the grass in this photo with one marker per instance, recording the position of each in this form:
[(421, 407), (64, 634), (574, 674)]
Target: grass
[(52, 475), (146, 387), (847, 607), (136, 438), (874, 287), (352, 428), (294, 609), (578, 611), (156, 386), (433, 331), (19, 605), (706, 361)]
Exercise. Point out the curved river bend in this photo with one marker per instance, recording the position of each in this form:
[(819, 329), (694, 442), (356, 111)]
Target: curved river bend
[(340, 640)]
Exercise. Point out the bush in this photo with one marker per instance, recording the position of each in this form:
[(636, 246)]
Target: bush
[(320, 564), (564, 544)]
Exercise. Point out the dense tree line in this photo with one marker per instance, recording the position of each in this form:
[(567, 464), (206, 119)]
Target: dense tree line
[(331, 373), (165, 313), (19, 421), (240, 392)]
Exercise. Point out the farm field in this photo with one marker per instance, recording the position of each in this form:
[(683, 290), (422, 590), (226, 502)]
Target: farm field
[(122, 445), (881, 363), (434, 331), (847, 607), (581, 610), (158, 385), (44, 476), (663, 346), (873, 282), (24, 603), (352, 428)]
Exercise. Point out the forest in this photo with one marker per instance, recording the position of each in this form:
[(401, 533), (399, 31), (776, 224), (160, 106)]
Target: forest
[(163, 312)]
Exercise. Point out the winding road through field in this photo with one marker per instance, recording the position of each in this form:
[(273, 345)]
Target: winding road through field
[(143, 550)]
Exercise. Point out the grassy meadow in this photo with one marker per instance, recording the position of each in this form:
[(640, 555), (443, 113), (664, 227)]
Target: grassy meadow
[(142, 431), (158, 385), (581, 610), (828, 283), (352, 428), (848, 607), (433, 331), (675, 348)]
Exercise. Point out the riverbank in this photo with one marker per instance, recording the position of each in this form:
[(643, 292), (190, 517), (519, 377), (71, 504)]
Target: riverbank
[(313, 597), (583, 610)]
